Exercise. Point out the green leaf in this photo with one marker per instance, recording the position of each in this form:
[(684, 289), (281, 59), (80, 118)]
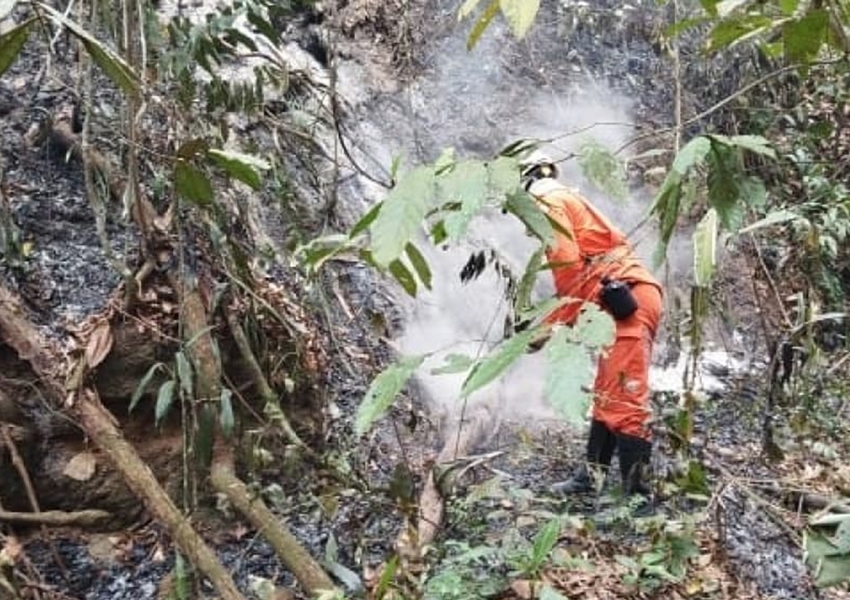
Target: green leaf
[(365, 221), (522, 298), (603, 169), (163, 400), (594, 327), (481, 24), (225, 414), (244, 167), (495, 363), (774, 218), (185, 374), (724, 178), (454, 363), (821, 555), (445, 161), (465, 183), (521, 204), (705, 249), (11, 43), (545, 541), (383, 390), (753, 143), (503, 175), (804, 37), (726, 33), (788, 7), (420, 265), (403, 275), (143, 385), (113, 65), (520, 14), (192, 184), (684, 25), (401, 214), (569, 376), (842, 537), (691, 155)]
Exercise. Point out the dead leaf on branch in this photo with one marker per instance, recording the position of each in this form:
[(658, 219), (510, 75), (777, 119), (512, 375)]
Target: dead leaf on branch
[(99, 344), (81, 467)]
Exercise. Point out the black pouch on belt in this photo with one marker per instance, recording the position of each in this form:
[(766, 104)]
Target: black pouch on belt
[(617, 298)]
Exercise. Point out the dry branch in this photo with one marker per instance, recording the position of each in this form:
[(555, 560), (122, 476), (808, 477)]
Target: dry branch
[(57, 518), (267, 394), (306, 570), (99, 424)]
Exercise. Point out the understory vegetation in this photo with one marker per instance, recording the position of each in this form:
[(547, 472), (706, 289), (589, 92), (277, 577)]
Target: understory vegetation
[(193, 357)]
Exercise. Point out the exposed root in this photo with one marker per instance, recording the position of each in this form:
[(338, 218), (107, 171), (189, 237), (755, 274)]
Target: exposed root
[(99, 424), (306, 570), (58, 518)]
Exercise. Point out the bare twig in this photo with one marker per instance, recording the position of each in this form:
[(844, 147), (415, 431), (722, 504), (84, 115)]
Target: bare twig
[(265, 390), (21, 468)]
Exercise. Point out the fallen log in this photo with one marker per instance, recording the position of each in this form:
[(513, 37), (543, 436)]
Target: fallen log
[(303, 566)]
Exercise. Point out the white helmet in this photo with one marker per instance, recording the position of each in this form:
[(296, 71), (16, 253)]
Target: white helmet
[(537, 164)]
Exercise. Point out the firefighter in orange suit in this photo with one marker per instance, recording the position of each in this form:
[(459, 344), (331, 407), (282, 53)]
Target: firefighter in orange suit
[(596, 253)]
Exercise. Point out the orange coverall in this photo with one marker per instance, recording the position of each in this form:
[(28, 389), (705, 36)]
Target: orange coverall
[(595, 249)]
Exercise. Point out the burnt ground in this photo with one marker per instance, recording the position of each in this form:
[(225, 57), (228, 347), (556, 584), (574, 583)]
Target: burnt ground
[(64, 276)]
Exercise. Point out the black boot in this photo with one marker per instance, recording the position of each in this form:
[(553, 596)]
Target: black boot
[(635, 453), (600, 448)]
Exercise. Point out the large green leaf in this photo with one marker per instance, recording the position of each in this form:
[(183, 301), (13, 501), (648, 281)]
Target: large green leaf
[(691, 155), (594, 327), (569, 376), (383, 390), (192, 184), (244, 167), (736, 29), (603, 169), (498, 361), (523, 206), (11, 43), (465, 183), (753, 143), (401, 214), (520, 14), (503, 175), (545, 540), (830, 567), (705, 248), (724, 179), (113, 65), (804, 37)]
